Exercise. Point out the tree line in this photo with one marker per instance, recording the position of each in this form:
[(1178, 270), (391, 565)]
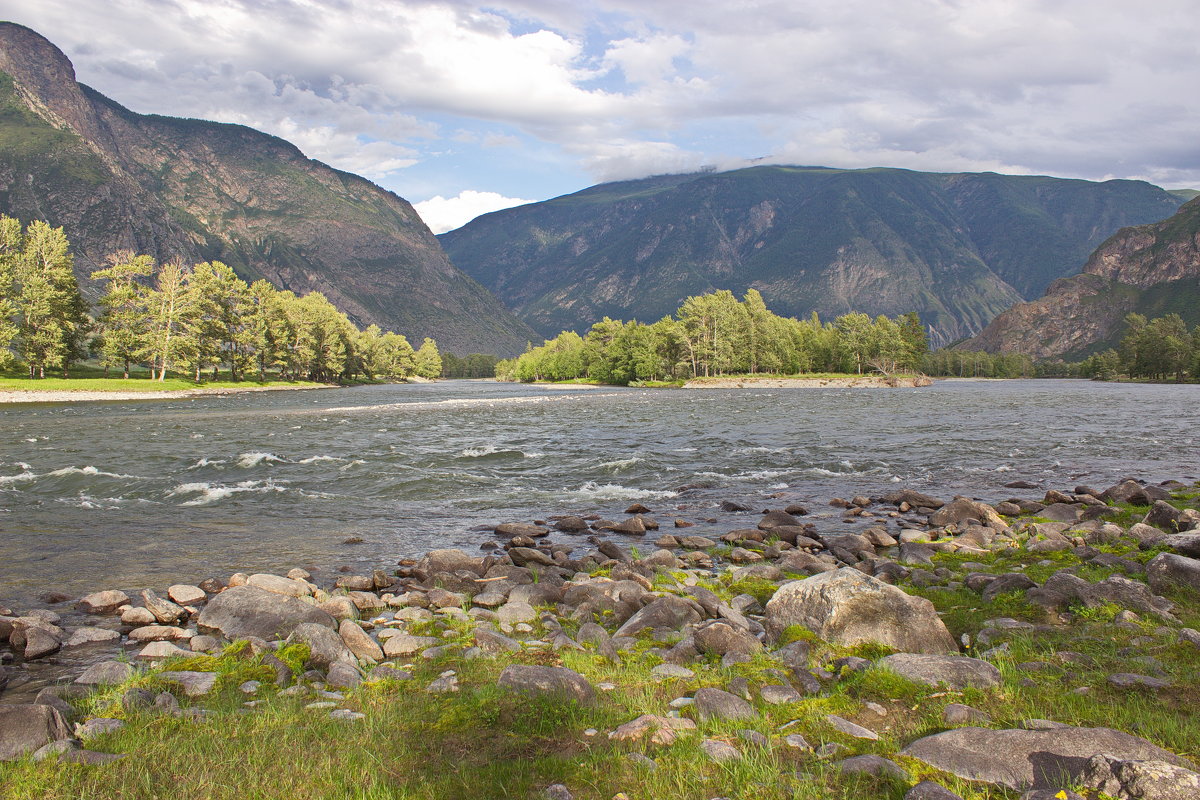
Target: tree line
[(1158, 349), (176, 318), (716, 334)]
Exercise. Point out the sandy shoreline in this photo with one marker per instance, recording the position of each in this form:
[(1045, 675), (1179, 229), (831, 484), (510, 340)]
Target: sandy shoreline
[(863, 382), (85, 395)]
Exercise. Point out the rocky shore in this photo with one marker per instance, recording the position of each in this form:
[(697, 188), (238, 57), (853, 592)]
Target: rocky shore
[(859, 382), (940, 649)]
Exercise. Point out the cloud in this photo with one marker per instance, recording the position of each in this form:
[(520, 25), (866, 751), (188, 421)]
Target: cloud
[(1085, 88), (443, 214)]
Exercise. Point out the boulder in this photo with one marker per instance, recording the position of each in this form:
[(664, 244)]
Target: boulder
[(186, 594), (510, 530), (449, 560), (278, 585), (325, 646), (555, 682), (713, 703), (164, 611), (928, 790), (956, 672), (1021, 759), (872, 765), (105, 672), (847, 607), (1185, 544), (721, 638), (1168, 571), (358, 642), (193, 684), (253, 611), (406, 645), (40, 642), (665, 612), (1139, 780), (963, 508), (82, 636), (102, 602), (913, 498), (1163, 515), (28, 726)]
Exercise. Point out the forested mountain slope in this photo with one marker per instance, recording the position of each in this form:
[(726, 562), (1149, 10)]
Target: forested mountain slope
[(957, 248)]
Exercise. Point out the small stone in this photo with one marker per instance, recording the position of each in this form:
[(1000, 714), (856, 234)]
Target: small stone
[(872, 765), (796, 741), (665, 671), (849, 728), (779, 695), (720, 752), (1130, 680), (928, 790), (346, 715), (82, 636), (557, 791), (194, 684), (98, 726)]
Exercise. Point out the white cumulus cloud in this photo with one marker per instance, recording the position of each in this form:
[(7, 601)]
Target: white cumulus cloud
[(443, 214)]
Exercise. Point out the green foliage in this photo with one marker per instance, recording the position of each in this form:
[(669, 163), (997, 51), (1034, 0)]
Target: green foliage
[(175, 318), (715, 334)]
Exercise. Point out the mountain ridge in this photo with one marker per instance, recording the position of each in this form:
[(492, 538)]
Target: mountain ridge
[(824, 239), (199, 190), (1150, 269)]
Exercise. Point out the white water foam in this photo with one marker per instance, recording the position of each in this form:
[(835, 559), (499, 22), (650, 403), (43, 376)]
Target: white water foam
[(211, 493), (315, 459), (208, 462), (621, 464), (251, 460), (600, 492)]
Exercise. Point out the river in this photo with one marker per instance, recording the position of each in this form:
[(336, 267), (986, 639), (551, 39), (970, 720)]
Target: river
[(147, 493)]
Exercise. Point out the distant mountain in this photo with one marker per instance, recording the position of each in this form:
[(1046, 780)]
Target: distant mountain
[(958, 248), (204, 190), (1185, 194), (1151, 269)]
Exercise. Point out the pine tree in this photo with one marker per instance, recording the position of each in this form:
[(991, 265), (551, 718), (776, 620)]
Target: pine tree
[(52, 317), (428, 363), (124, 323)]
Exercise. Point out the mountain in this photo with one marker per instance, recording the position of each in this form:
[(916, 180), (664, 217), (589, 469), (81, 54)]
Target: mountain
[(958, 248), (209, 191), (1149, 269)]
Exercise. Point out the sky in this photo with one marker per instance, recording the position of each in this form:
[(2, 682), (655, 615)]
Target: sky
[(464, 108)]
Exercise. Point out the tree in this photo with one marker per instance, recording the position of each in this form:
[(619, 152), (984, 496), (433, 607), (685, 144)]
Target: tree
[(123, 324), (52, 318), (428, 364), (171, 312), (12, 244)]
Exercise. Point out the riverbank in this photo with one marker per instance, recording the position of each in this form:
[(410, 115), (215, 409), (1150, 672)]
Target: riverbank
[(76, 395), (855, 654), (847, 382)]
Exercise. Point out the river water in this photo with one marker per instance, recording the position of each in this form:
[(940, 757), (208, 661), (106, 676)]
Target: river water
[(148, 493)]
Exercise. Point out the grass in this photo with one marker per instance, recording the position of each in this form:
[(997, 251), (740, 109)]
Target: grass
[(88, 377)]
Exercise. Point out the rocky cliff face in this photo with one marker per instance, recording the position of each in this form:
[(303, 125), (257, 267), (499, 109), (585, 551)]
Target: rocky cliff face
[(958, 249), (202, 190), (1151, 269)]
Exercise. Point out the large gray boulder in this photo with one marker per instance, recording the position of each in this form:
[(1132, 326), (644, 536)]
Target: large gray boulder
[(1185, 544), (665, 612), (846, 607), (1168, 571), (1020, 759), (1140, 780), (956, 672), (26, 727), (449, 560), (557, 682), (250, 611), (718, 704)]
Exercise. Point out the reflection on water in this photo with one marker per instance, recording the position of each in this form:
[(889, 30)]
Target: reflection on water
[(149, 492)]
